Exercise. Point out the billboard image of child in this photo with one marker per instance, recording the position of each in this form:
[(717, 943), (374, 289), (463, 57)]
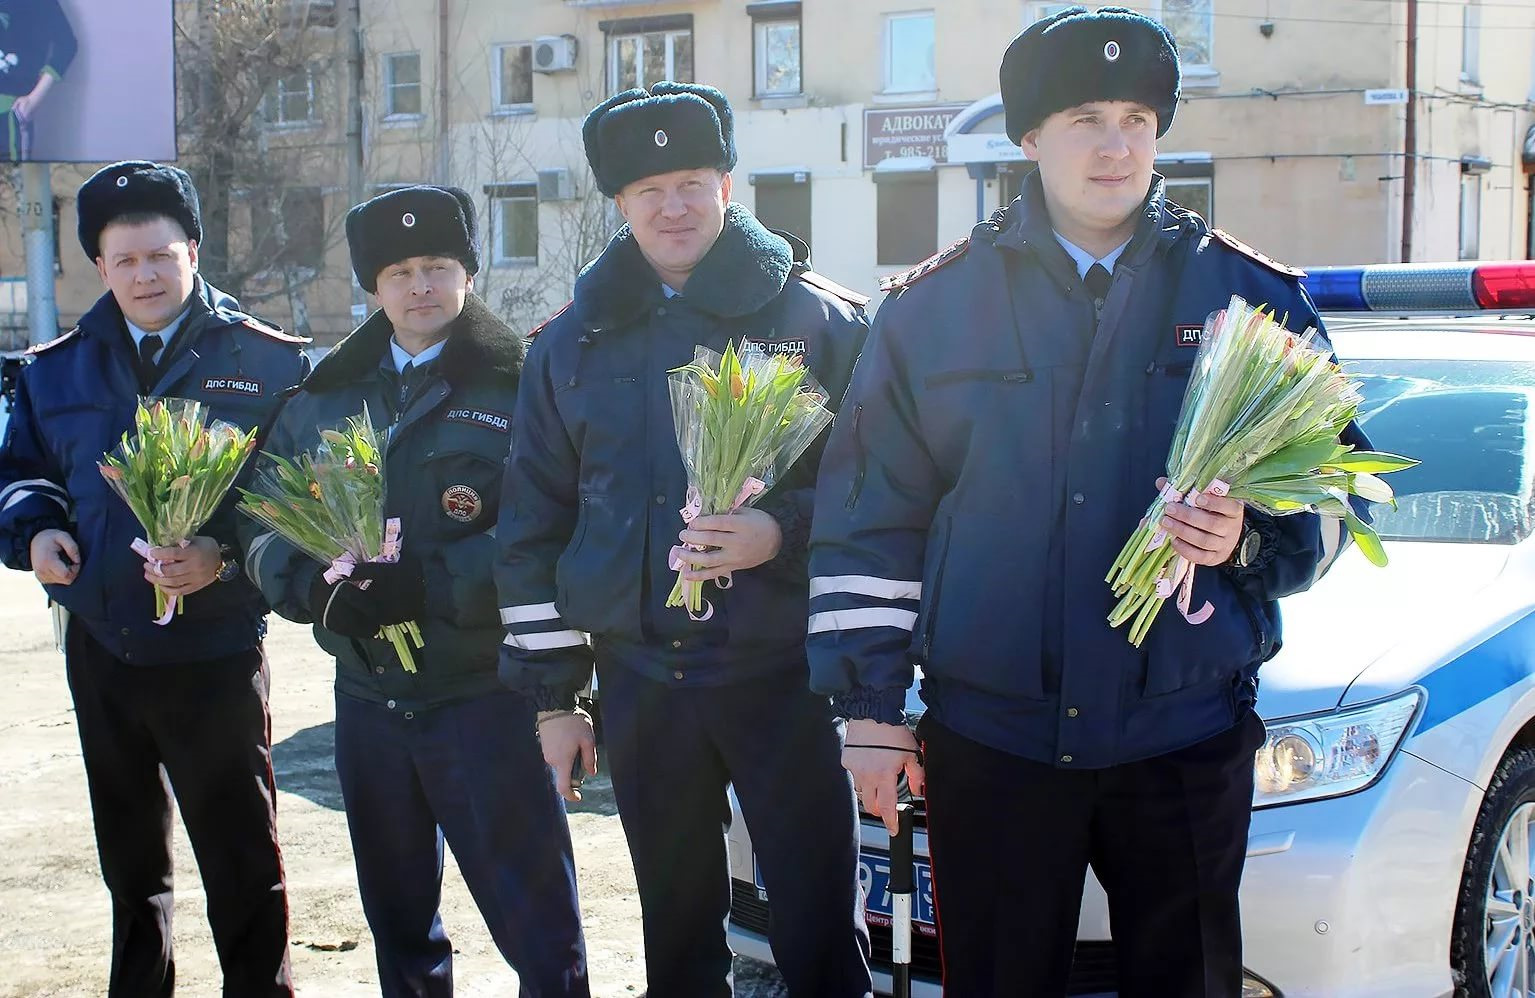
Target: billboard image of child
[(37, 46)]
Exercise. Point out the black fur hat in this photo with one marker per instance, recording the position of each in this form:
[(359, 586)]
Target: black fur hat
[(135, 187), (412, 221), (671, 126), (1077, 56)]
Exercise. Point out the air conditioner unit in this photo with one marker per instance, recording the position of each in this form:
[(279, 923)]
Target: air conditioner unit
[(556, 185), (554, 54)]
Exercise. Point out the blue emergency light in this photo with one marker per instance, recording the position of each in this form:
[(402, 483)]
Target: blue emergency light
[(1424, 287)]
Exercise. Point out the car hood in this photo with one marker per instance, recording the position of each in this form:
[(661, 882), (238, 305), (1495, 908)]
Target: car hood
[(1358, 614)]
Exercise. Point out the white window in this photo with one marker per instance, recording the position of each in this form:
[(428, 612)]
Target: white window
[(909, 64), (1192, 23), (776, 44), (402, 84), (645, 59), (1033, 12), (514, 219), (1470, 217), (291, 100), (1471, 42), (512, 77)]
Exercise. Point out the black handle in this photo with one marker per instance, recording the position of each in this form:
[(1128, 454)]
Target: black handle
[(901, 887)]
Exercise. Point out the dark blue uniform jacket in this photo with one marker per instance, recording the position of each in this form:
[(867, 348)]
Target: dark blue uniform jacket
[(595, 481), (73, 404), (999, 443)]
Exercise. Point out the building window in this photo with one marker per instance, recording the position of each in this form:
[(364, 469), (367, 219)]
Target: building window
[(907, 217), (1470, 217), (402, 85), (1471, 42), (909, 66), (641, 60), (783, 202), (1033, 12), (291, 100), (290, 232), (512, 77), (1192, 23), (776, 53), (1197, 194), (514, 224)]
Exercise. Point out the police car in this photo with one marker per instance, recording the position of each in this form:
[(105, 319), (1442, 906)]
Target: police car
[(1392, 850)]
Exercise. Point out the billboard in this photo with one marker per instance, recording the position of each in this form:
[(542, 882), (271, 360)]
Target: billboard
[(87, 81)]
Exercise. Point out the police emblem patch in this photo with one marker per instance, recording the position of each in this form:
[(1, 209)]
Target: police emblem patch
[(1111, 51), (462, 503), (408, 220), (661, 138), (1188, 336)]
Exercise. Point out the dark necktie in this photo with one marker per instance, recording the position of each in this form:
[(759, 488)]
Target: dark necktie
[(407, 382), (1097, 281), (149, 371)]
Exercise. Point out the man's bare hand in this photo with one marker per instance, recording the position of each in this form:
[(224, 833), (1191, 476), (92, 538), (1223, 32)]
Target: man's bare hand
[(1208, 532), (184, 570), (564, 736), (737, 541), (55, 557), (875, 771)]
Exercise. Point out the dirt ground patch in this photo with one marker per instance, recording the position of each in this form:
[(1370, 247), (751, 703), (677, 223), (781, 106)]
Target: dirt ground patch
[(55, 928)]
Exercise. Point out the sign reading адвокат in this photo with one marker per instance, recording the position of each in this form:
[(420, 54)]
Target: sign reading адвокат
[(904, 132)]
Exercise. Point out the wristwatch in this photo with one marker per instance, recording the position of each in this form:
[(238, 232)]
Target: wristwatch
[(229, 567), (1247, 549)]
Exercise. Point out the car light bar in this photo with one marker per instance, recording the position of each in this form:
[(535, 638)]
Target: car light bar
[(1424, 287)]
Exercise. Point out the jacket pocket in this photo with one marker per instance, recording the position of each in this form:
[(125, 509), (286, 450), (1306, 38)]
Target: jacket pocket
[(982, 608), (1180, 655), (465, 494), (593, 591)]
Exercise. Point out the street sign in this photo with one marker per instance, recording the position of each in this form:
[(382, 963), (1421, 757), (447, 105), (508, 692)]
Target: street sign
[(1385, 96)]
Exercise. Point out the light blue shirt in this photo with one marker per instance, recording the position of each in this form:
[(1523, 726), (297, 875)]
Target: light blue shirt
[(669, 291), (425, 357), (1084, 260), (166, 335)]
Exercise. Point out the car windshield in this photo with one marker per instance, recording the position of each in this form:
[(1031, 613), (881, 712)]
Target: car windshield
[(1472, 424)]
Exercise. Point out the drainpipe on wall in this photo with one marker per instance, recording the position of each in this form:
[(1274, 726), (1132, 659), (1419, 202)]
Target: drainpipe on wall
[(444, 156), (1410, 138)]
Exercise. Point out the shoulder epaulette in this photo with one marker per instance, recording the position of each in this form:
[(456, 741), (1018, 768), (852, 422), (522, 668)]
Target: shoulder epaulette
[(831, 287), (271, 331), (1234, 243), (545, 324), (896, 282), (39, 348)]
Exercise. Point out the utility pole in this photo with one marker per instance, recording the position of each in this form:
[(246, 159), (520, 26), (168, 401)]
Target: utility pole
[(352, 26), (37, 229), (1410, 138)]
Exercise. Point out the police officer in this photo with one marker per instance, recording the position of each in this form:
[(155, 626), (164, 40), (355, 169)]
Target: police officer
[(970, 507), (591, 510), (444, 752), (180, 708)]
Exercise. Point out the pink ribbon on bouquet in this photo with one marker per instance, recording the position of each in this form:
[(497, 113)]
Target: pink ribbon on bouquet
[(346, 562), (1181, 578), (677, 559), (141, 548)]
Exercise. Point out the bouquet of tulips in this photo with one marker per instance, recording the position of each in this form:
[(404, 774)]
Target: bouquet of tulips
[(742, 419), (173, 472), (1260, 422), (329, 503)]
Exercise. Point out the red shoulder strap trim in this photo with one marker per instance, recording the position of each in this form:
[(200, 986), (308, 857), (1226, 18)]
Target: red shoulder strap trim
[(1234, 243), (543, 325), (40, 347), (272, 332), (896, 282), (831, 287)]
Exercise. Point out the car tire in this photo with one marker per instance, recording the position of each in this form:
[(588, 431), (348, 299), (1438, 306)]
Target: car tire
[(1512, 788)]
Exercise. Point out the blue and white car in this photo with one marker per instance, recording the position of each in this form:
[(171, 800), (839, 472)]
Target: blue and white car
[(1392, 850)]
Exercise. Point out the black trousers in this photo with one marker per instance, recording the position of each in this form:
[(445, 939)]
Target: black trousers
[(672, 753), (202, 731), (1011, 841)]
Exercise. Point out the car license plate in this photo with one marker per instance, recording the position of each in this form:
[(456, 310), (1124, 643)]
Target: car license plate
[(874, 882)]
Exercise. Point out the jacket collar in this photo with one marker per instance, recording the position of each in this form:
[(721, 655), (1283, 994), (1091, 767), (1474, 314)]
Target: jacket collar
[(207, 303), (1026, 223), (479, 343), (745, 269)]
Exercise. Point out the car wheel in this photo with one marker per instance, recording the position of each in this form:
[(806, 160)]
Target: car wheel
[(1492, 950)]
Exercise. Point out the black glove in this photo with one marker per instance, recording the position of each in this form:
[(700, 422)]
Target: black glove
[(394, 594)]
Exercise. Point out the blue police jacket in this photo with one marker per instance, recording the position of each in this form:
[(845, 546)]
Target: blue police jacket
[(595, 480), (74, 402), (1000, 441)]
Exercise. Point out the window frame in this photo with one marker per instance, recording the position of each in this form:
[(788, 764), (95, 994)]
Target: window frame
[(1206, 68), (1035, 11), (760, 26), (670, 34), (273, 101), (497, 68), (501, 195), (894, 181), (1469, 242), (889, 42), (1471, 43), (390, 86)]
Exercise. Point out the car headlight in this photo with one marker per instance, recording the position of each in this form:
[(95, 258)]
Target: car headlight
[(1330, 754)]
